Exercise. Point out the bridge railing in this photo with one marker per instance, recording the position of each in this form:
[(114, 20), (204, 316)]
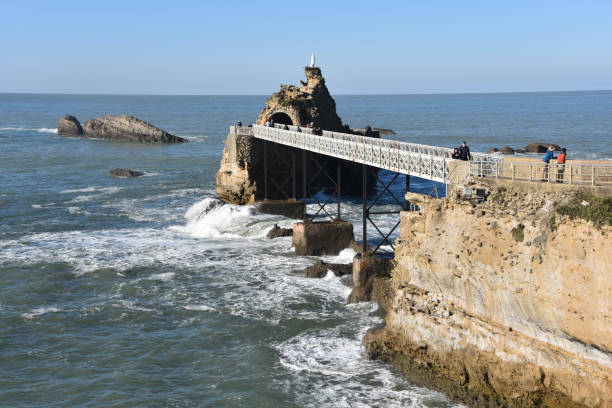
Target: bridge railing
[(580, 174), (430, 162), (381, 153)]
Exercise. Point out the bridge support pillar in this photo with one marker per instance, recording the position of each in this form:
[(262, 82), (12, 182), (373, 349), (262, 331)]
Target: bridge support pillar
[(322, 238)]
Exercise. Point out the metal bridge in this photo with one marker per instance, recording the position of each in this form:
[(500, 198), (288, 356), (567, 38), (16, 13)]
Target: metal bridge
[(427, 162), (409, 159)]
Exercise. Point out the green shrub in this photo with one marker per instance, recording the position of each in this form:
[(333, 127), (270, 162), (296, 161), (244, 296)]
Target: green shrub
[(598, 210), (518, 233)]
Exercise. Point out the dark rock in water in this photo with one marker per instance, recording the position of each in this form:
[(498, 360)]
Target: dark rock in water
[(277, 232), (319, 270), (493, 150), (540, 147), (520, 151), (383, 131), (507, 150), (69, 126), (123, 127), (125, 173)]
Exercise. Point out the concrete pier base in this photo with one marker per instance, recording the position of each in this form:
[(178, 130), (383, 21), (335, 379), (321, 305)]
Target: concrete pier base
[(291, 208), (322, 238)]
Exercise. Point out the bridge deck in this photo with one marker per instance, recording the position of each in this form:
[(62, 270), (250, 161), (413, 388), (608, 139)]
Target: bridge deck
[(428, 162)]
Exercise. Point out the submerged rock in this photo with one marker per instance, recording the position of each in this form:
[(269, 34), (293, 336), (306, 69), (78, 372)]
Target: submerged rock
[(69, 126), (277, 232), (123, 127), (125, 173), (319, 269)]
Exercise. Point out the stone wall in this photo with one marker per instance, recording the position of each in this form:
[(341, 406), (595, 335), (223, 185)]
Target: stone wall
[(504, 302)]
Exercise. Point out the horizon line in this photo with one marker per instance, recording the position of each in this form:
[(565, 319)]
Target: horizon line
[(337, 94)]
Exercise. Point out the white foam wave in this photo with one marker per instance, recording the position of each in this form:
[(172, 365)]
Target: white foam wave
[(40, 311), (163, 276), (212, 218), (91, 189), (24, 129), (202, 308)]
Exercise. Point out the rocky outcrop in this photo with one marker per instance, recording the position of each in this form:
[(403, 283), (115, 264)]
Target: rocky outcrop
[(504, 303), (240, 178), (540, 147), (69, 126), (125, 173), (123, 128), (278, 232), (309, 103), (320, 269)]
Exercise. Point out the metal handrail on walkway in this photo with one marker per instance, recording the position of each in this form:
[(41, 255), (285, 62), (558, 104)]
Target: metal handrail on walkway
[(429, 162), (579, 174)]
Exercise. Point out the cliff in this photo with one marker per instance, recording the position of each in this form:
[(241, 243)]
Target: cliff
[(121, 127), (504, 303)]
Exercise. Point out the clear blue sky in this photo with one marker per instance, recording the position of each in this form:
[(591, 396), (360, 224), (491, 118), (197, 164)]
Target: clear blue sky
[(250, 47)]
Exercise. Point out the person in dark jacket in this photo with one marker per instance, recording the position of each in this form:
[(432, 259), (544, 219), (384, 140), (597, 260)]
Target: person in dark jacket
[(464, 152), (456, 155)]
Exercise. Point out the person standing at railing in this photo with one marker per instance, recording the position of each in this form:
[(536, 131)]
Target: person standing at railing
[(456, 155), (267, 123), (464, 152), (285, 127), (550, 154), (561, 165), (298, 130)]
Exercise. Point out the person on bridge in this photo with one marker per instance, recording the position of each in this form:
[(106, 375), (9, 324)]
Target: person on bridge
[(464, 152), (285, 127), (298, 129), (456, 155), (267, 123), (561, 165)]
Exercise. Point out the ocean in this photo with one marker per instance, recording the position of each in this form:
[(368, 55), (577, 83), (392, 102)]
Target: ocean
[(151, 292)]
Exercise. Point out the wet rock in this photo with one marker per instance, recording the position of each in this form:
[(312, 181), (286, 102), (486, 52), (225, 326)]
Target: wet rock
[(69, 126), (493, 150), (125, 173), (277, 232), (319, 269), (540, 147), (507, 150)]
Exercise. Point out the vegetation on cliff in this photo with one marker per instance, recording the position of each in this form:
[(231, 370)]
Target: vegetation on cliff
[(588, 207)]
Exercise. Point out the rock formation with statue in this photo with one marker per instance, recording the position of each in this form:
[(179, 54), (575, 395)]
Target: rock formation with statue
[(239, 179)]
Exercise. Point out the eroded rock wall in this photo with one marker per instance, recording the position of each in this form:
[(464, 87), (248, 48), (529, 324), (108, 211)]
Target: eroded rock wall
[(502, 303)]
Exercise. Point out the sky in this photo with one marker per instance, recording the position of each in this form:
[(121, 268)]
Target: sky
[(251, 47)]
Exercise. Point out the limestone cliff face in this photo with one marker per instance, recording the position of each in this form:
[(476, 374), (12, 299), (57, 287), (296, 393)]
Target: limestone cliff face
[(502, 303), (310, 102), (239, 174)]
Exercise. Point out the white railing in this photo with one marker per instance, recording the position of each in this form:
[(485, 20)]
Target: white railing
[(582, 174), (429, 162)]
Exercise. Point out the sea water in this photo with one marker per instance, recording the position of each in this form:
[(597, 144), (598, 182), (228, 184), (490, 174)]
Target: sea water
[(152, 292)]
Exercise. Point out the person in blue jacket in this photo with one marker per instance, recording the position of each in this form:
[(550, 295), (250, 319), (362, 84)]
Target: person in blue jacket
[(548, 156)]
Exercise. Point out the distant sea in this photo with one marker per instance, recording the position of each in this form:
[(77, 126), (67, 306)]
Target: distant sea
[(151, 292)]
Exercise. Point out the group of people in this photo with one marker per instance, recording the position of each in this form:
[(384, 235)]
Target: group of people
[(462, 152), (550, 155)]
